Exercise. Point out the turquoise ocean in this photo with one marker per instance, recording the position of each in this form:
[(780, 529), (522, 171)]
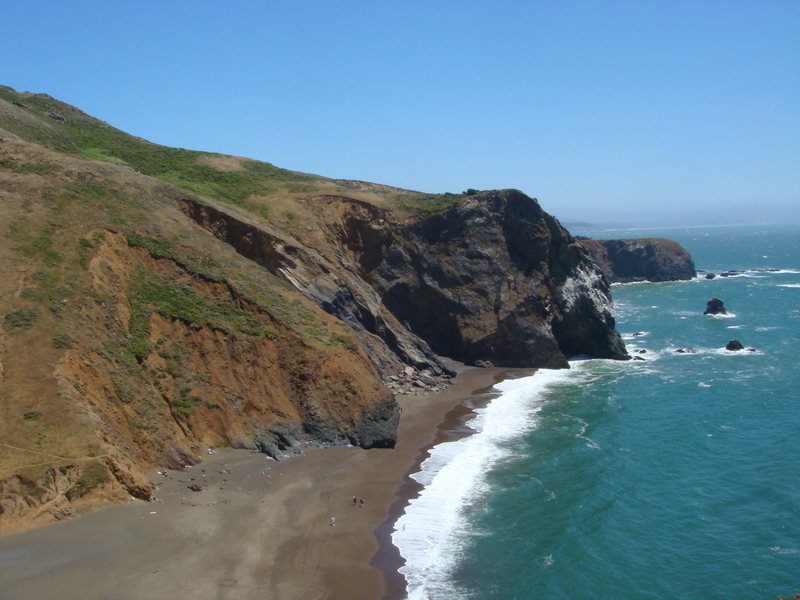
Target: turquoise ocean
[(673, 477)]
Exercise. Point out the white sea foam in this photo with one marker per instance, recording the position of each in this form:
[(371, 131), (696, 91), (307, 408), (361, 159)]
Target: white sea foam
[(723, 316), (430, 531), (634, 335), (746, 352), (784, 551), (789, 285)]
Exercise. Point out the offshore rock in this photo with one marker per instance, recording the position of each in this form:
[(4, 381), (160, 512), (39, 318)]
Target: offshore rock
[(734, 345), (641, 259), (715, 306)]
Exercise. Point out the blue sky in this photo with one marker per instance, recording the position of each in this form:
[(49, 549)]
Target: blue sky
[(609, 112)]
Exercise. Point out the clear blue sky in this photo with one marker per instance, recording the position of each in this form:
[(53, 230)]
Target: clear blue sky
[(628, 111)]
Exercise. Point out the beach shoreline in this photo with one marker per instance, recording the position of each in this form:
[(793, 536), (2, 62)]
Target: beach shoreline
[(260, 528)]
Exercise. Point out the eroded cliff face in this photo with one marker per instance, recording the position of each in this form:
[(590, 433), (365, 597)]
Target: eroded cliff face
[(491, 280), (641, 259), (131, 339), (494, 279)]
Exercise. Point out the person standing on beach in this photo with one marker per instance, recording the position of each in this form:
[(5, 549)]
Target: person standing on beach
[(333, 521), (363, 502), (355, 500)]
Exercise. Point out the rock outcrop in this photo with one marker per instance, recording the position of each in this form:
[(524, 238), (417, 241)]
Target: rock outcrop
[(641, 259), (494, 278), (715, 306), (734, 346)]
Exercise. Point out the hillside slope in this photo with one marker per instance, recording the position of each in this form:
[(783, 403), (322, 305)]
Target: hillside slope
[(158, 301)]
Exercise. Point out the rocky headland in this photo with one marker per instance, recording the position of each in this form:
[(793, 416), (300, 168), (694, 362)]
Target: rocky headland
[(641, 259), (156, 302)]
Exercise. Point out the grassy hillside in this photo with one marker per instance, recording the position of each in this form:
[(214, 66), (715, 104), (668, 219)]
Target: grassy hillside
[(250, 184)]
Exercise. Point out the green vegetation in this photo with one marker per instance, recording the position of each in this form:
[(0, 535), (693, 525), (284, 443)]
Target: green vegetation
[(37, 245), (53, 288), (62, 341), (21, 319), (75, 132), (345, 340), (185, 403), (94, 474), (177, 300), (32, 415), (159, 248), (139, 327), (124, 391), (119, 352), (38, 167), (429, 203)]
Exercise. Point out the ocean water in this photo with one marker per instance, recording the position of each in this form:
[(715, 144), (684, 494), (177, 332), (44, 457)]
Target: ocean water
[(673, 477)]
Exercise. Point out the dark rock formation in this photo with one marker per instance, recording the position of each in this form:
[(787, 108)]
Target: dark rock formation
[(734, 345), (715, 306), (710, 276), (643, 259), (491, 279), (495, 278)]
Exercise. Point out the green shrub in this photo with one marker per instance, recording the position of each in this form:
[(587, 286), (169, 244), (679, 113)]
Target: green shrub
[(177, 300), (21, 319), (185, 403), (62, 341), (93, 475)]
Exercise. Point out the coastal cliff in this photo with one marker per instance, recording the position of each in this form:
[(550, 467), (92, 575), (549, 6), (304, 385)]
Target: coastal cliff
[(641, 259), (157, 302)]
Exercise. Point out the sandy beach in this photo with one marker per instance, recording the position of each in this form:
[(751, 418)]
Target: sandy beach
[(259, 529)]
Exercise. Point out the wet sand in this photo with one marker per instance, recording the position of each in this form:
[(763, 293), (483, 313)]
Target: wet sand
[(260, 528)]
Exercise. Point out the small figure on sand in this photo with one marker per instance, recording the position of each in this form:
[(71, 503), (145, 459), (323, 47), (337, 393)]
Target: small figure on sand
[(363, 502), (333, 521), (355, 500)]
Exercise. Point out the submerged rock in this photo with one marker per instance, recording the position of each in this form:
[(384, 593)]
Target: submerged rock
[(715, 306)]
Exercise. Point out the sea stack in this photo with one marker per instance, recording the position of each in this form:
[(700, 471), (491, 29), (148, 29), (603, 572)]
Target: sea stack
[(734, 346), (715, 306)]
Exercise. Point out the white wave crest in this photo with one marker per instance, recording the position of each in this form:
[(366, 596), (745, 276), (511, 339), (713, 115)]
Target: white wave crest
[(428, 534)]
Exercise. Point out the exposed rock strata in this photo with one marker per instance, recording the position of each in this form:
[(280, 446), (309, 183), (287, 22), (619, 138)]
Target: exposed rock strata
[(493, 279), (641, 259)]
